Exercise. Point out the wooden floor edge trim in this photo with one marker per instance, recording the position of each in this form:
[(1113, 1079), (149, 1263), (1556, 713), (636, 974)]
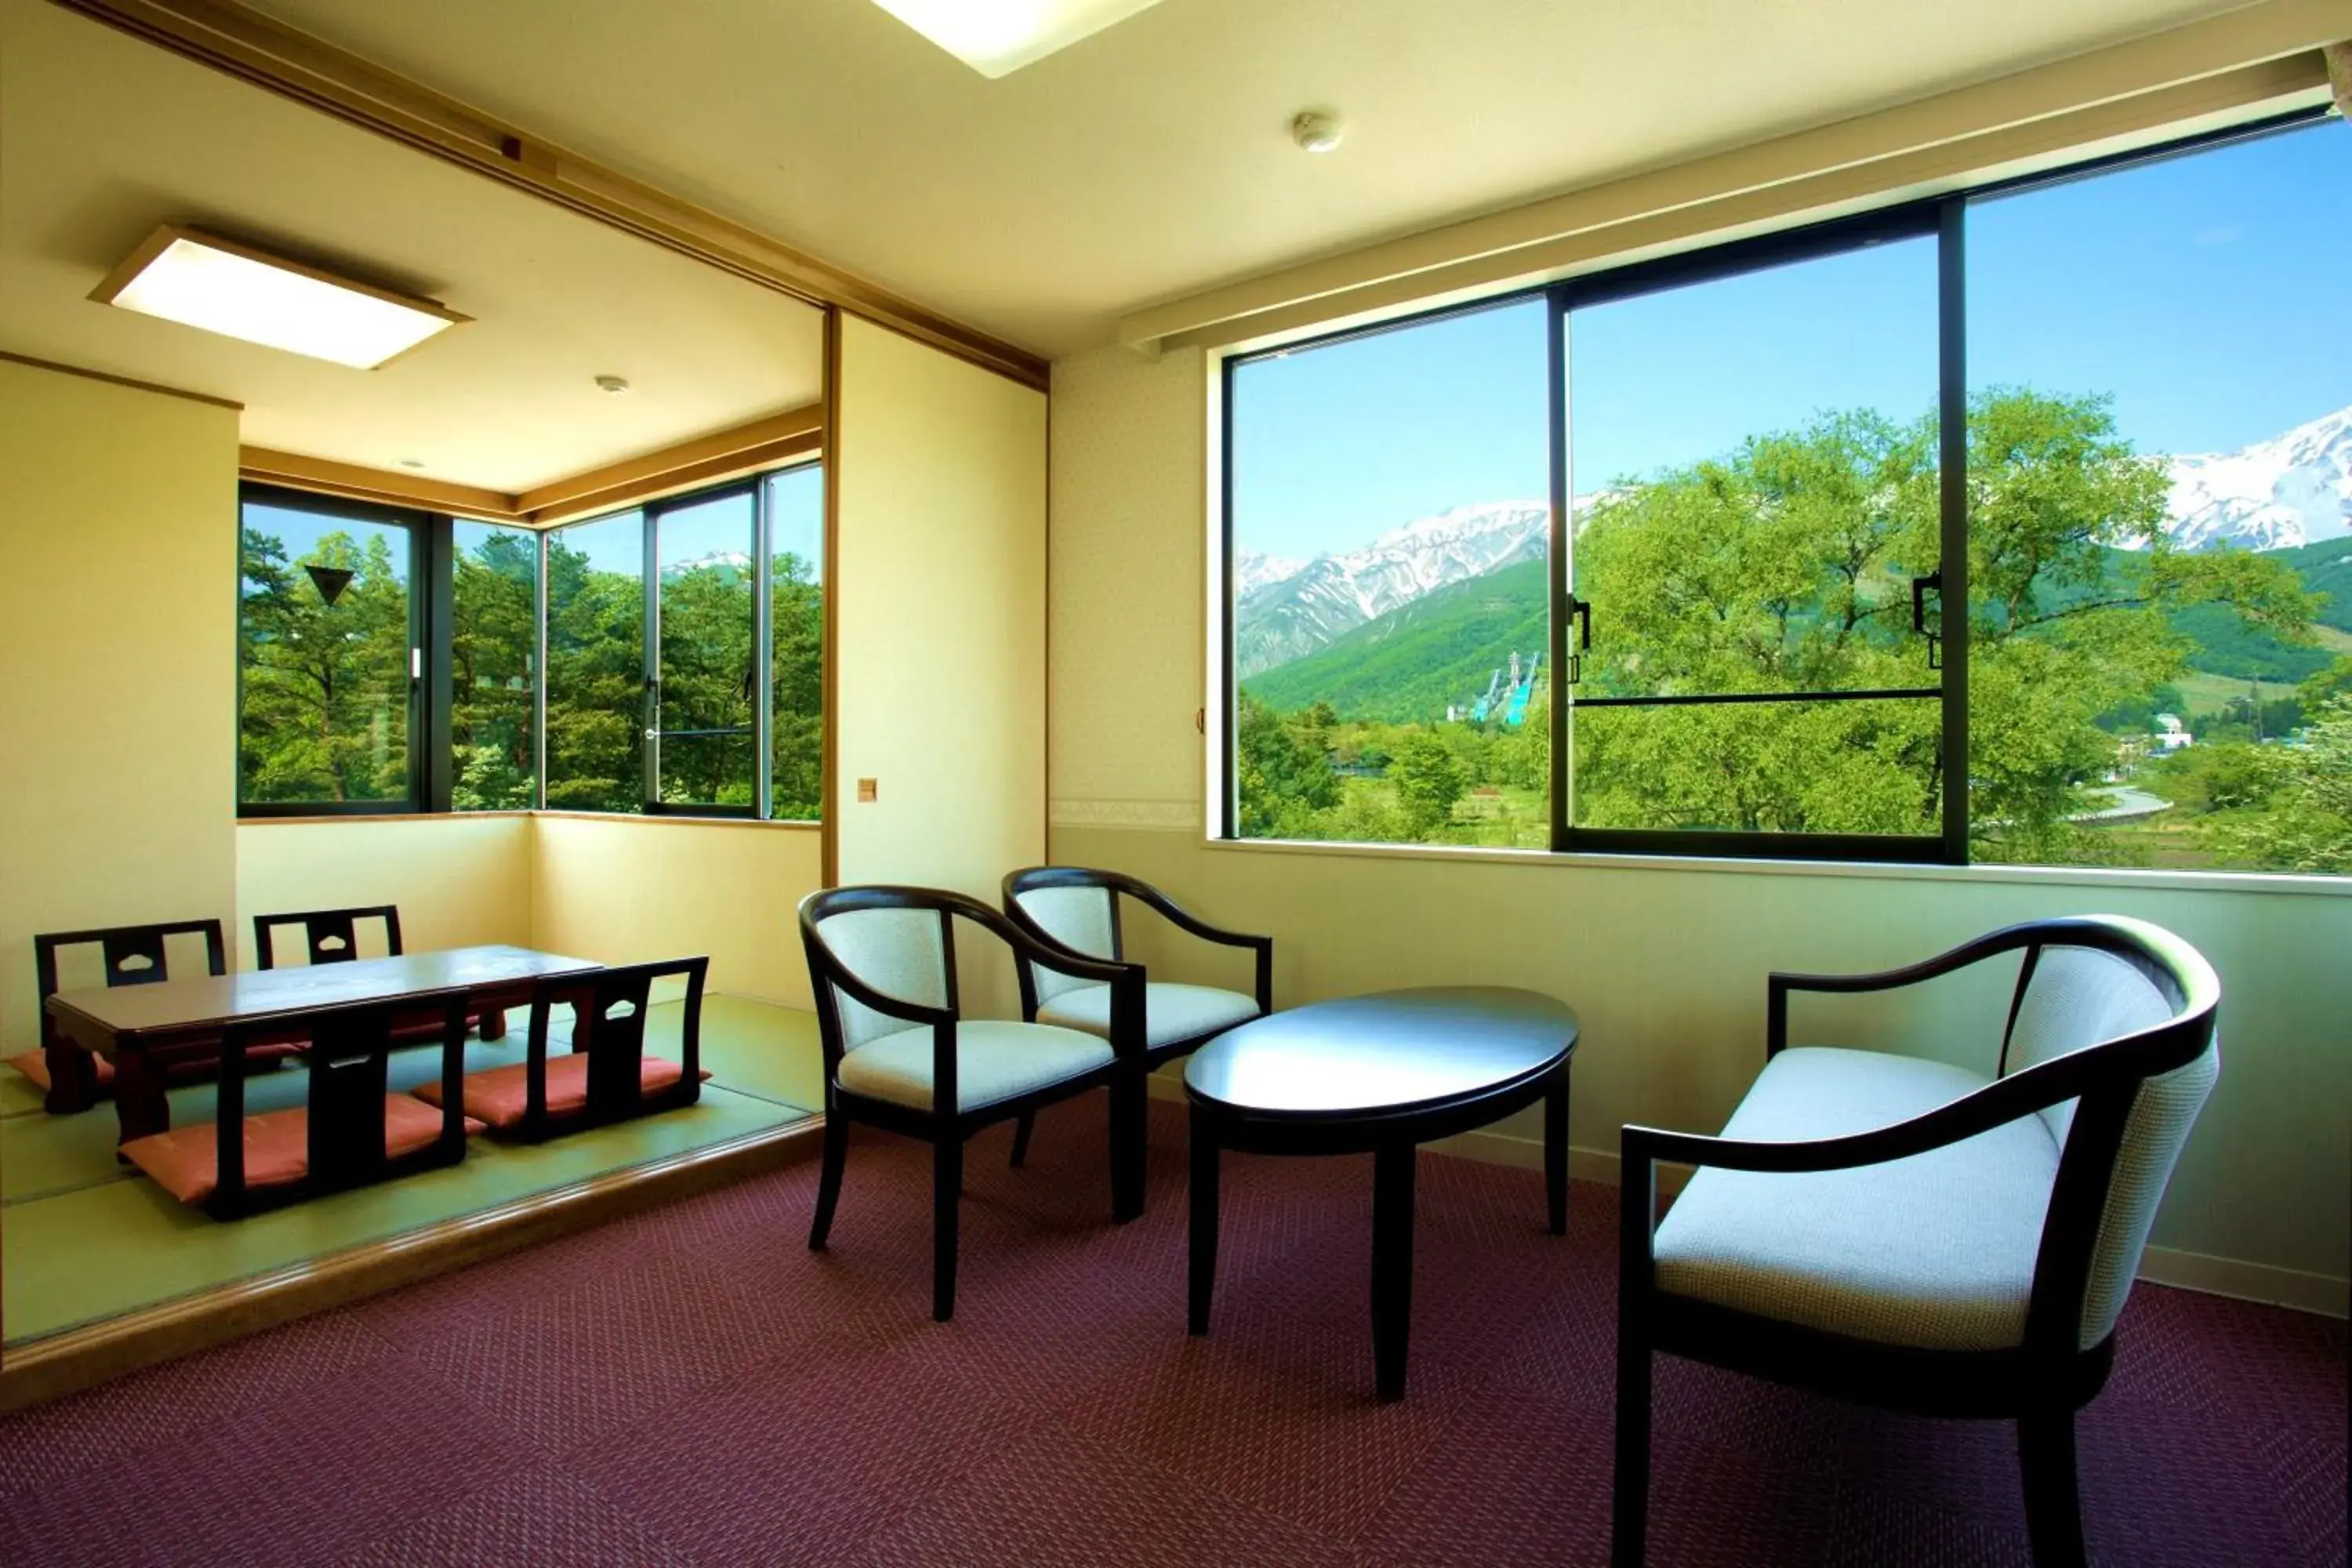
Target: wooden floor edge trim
[(83, 1358)]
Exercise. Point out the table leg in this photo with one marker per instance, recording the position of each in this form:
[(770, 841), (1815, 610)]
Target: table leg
[(1203, 1195), (1555, 1151), (139, 1097), (1393, 1170), (73, 1080)]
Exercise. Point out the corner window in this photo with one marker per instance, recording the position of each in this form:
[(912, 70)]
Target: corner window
[(2011, 526)]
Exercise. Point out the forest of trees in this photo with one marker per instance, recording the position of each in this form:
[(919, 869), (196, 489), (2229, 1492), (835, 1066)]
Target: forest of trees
[(325, 712), (1786, 567)]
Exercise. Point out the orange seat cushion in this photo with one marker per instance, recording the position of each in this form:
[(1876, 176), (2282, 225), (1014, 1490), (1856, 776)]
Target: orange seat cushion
[(500, 1096), (185, 1161), (34, 1065)]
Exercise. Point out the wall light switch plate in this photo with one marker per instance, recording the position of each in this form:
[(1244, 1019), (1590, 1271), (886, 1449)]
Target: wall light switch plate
[(869, 789)]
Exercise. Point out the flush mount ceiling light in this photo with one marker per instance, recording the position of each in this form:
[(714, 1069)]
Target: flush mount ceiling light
[(203, 280), (1316, 131), (997, 37)]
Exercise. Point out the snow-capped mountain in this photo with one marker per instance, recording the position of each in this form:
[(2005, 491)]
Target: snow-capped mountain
[(2292, 489), (1279, 617)]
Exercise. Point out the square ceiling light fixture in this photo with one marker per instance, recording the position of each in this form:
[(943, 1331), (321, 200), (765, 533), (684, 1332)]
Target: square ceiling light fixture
[(203, 280), (997, 37)]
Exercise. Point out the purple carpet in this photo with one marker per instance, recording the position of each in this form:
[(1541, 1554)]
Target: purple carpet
[(693, 1386)]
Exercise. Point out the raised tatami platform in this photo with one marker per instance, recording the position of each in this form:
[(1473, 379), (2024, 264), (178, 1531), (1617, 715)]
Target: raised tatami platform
[(87, 1239)]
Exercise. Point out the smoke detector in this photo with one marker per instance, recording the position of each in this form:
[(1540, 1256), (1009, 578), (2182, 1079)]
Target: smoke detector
[(1316, 131), (612, 383)]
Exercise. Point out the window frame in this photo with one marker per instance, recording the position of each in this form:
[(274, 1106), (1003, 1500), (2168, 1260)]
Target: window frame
[(1943, 218), (428, 536), (755, 484)]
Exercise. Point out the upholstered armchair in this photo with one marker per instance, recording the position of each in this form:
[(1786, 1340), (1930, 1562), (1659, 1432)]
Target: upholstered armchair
[(1078, 909), (1909, 1233), (899, 1054)]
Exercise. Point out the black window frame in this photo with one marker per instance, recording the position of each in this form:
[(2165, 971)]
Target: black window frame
[(755, 484), (431, 602), (1944, 217)]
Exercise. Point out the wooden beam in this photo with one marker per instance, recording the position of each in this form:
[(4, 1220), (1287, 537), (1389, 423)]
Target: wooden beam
[(326, 477), (267, 53), (776, 439), (81, 1358), (121, 380)]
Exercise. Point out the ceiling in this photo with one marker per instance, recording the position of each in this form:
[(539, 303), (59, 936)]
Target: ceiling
[(103, 137), (1153, 158)]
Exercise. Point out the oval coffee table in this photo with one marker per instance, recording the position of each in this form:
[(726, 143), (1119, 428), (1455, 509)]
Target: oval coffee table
[(1381, 1073)]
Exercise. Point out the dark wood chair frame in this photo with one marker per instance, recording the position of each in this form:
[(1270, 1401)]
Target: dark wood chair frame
[(2040, 1384), (947, 1130), (1116, 884), (614, 1046), (347, 1057), (73, 1073), (320, 927)]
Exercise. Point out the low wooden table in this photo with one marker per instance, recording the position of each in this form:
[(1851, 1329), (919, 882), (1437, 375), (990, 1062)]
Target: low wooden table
[(142, 1028), (1383, 1073)]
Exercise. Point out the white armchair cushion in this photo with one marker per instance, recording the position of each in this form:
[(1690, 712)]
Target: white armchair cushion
[(1935, 1250), (995, 1060), (1170, 1012)]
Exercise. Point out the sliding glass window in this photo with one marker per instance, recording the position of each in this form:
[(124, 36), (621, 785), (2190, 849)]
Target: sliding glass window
[(494, 668), (657, 619), (330, 655), (2096, 411)]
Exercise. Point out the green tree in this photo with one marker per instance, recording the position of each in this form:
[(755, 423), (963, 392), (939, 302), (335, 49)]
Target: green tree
[(2306, 825), (1284, 779), (324, 708), (1428, 779)]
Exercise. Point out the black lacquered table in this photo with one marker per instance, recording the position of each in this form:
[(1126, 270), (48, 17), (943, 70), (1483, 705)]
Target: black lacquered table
[(1381, 1074)]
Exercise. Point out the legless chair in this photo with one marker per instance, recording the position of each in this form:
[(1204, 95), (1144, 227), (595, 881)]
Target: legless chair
[(1077, 908), (899, 1055), (1903, 1232)]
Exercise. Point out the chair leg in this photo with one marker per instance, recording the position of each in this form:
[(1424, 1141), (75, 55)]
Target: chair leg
[(2053, 1509), (1629, 1521), (1131, 1128), (1020, 1130), (946, 1197), (828, 1182)]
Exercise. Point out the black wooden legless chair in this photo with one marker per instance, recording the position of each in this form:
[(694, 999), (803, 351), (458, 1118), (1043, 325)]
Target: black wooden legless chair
[(351, 1131), (331, 936), (70, 1078), (608, 1075), (1077, 908), (1908, 1234), (899, 1055)]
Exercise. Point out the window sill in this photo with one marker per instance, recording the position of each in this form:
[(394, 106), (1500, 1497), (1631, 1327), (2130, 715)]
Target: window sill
[(2126, 879), (669, 819)]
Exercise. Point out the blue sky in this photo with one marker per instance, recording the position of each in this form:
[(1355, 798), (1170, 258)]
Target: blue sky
[(2210, 295)]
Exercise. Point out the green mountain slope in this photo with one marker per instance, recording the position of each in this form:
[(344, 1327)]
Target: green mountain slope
[(1411, 663), (1408, 664)]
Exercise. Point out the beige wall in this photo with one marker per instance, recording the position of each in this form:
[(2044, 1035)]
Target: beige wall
[(1664, 966), (626, 890), (117, 641), (939, 585), (458, 880)]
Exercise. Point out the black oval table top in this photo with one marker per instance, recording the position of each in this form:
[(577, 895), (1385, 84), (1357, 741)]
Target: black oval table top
[(1387, 1052)]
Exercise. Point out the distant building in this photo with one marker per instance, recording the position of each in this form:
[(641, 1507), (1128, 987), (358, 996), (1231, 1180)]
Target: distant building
[(2170, 733)]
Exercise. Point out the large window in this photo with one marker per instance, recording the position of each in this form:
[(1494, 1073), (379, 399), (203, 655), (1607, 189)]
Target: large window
[(2000, 527), (392, 660), (655, 622)]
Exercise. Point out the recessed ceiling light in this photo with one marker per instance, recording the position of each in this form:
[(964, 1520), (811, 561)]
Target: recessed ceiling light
[(612, 383), (1316, 131), (203, 280), (410, 463), (996, 37)]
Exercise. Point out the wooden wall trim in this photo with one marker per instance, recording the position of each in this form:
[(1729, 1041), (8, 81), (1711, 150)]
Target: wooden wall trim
[(132, 382), (757, 444), (765, 442), (267, 53), (326, 477)]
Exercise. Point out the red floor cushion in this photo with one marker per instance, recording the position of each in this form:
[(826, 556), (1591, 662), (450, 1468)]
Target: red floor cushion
[(185, 1161), (34, 1065), (500, 1096)]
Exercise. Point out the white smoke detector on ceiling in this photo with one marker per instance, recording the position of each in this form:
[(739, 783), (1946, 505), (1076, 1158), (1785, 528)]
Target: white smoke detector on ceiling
[(1316, 131)]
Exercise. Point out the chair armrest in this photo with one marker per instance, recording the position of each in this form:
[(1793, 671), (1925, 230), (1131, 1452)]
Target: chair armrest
[(1990, 945), (1183, 919), (882, 1001), (1125, 979)]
